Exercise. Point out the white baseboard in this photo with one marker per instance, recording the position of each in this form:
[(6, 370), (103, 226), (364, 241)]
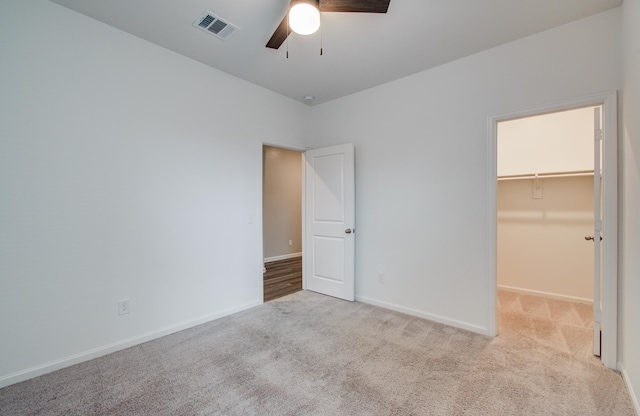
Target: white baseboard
[(632, 393), (549, 295), (116, 346), (283, 257), (426, 315)]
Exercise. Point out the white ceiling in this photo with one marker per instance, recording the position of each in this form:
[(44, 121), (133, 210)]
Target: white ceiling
[(360, 50)]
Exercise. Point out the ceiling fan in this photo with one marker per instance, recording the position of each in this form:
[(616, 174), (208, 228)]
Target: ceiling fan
[(326, 6)]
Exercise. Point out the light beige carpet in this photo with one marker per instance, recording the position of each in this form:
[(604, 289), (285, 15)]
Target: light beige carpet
[(307, 354)]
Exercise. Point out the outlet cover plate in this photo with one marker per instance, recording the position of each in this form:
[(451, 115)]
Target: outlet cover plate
[(123, 307)]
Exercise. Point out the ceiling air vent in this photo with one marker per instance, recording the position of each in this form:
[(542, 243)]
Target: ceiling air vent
[(215, 26)]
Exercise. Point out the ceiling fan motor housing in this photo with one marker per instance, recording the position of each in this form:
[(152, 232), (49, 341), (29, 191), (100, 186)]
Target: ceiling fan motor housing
[(304, 16)]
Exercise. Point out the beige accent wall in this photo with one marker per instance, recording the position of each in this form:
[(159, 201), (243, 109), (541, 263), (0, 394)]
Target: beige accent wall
[(282, 201), (556, 142), (541, 245)]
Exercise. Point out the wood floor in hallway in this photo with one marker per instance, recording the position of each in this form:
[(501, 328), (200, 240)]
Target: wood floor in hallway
[(282, 277)]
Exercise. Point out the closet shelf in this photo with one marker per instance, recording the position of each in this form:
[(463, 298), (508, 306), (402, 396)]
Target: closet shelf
[(546, 175)]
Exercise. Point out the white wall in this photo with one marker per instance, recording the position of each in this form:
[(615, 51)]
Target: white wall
[(121, 178), (630, 197), (421, 162), (541, 245), (282, 206)]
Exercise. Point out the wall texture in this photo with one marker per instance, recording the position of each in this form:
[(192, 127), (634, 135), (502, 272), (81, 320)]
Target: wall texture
[(421, 162), (282, 206), (630, 205), (120, 179), (541, 245)]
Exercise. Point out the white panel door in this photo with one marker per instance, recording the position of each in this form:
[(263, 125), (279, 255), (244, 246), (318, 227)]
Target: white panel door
[(330, 221), (597, 230)]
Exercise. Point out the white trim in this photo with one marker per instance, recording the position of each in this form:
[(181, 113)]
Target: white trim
[(259, 220), (609, 354), (282, 145), (632, 394), (492, 225), (609, 102), (116, 346), (282, 257), (426, 315), (567, 298), (304, 219)]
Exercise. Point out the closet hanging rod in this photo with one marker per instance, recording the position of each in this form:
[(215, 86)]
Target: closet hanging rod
[(547, 175)]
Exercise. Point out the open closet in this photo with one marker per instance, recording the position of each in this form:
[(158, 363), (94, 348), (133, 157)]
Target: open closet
[(546, 215), (546, 205), (535, 150)]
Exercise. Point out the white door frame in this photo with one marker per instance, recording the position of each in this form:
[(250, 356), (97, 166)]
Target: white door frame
[(288, 146), (610, 213)]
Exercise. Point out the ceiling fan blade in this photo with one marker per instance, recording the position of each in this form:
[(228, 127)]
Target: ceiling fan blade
[(355, 6), (281, 33)]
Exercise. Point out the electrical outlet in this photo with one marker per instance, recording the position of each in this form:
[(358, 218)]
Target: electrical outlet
[(381, 276), (123, 307), (290, 242)]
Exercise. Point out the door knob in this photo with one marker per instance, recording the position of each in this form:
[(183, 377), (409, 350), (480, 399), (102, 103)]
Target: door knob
[(348, 231), (590, 237)]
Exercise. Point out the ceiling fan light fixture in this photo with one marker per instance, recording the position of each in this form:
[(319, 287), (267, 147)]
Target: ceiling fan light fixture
[(304, 17)]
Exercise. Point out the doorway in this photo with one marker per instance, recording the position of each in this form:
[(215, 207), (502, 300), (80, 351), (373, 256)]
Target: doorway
[(604, 312), (545, 207), (327, 197), (282, 221)]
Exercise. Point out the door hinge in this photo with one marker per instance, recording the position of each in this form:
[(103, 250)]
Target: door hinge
[(597, 225), (598, 135)]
